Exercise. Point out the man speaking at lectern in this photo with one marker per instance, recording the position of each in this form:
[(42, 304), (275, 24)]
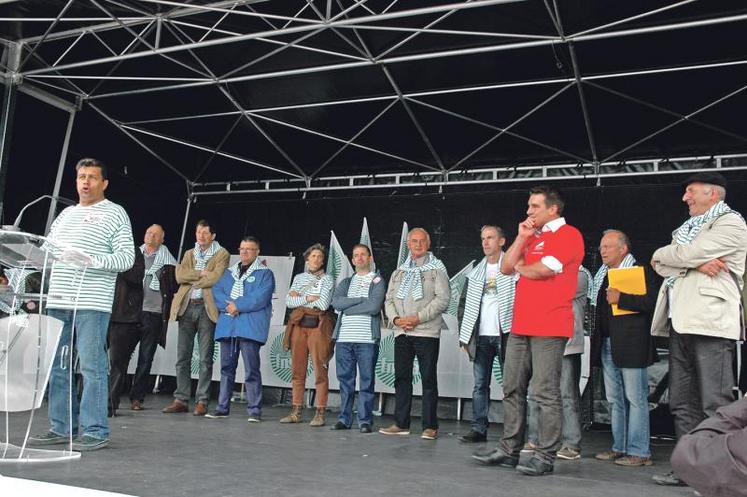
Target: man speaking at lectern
[(96, 233)]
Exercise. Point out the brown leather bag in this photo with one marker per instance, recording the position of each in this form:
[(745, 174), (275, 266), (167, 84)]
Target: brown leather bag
[(309, 321)]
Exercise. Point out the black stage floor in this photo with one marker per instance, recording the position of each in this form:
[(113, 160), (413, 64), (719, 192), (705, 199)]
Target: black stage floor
[(159, 455)]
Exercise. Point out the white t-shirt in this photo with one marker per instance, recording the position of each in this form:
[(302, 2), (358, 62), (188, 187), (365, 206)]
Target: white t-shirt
[(489, 311)]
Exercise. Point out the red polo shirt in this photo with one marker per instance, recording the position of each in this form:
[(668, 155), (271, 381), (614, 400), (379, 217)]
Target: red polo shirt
[(545, 307)]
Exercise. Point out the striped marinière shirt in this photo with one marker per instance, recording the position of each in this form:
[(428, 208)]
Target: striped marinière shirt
[(103, 232), (357, 328), (308, 284)]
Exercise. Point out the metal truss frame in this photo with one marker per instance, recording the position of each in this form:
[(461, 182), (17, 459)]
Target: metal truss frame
[(521, 173), (172, 31)]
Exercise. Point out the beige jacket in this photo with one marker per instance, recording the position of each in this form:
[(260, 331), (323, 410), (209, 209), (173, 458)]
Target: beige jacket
[(436, 293), (188, 277), (702, 305)]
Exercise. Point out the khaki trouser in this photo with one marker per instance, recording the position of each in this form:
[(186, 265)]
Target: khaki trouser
[(305, 342)]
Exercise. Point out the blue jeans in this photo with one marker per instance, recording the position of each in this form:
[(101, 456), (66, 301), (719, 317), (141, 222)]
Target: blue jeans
[(229, 359), (569, 392), (90, 345), (488, 348), (347, 357), (627, 395)]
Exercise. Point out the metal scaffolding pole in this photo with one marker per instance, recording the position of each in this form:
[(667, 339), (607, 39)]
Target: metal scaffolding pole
[(555, 17), (496, 174), (60, 171), (11, 60), (683, 119), (279, 32), (131, 21), (190, 199)]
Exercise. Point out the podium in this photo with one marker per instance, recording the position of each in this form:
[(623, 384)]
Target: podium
[(28, 343)]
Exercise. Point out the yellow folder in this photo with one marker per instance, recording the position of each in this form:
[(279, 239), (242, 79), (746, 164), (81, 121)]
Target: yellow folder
[(630, 280)]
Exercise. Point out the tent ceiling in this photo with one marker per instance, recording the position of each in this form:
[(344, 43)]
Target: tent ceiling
[(245, 90)]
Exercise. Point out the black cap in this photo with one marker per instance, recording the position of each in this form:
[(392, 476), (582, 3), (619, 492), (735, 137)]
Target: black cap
[(706, 177)]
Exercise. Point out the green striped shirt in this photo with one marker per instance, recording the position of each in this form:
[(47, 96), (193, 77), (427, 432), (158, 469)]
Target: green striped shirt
[(308, 284), (357, 328), (101, 231)]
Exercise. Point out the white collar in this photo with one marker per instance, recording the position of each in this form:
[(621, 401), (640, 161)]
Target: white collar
[(553, 225)]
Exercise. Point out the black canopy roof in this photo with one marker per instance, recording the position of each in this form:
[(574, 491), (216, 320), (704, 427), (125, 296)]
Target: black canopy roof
[(245, 90)]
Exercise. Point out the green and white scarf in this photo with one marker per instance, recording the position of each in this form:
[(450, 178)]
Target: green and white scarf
[(412, 281), (237, 290), (505, 287), (163, 258), (596, 283), (691, 228), (201, 260)]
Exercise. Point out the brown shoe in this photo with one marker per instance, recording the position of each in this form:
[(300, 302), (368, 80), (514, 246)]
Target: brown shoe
[(295, 416), (569, 454), (176, 406), (634, 461), (429, 434), (394, 430), (610, 455), (319, 417), (136, 405), (200, 409)]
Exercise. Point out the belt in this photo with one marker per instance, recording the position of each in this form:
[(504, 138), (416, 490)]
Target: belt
[(196, 301)]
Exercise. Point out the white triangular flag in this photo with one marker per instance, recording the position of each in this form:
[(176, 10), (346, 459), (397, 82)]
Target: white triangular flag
[(366, 240), (456, 285), (338, 265), (404, 253)]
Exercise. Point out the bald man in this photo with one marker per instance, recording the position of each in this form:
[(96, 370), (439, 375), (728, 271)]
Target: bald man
[(159, 286), (417, 296)]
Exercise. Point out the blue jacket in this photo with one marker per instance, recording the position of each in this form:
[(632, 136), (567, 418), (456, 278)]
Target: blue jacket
[(255, 307), (360, 305)]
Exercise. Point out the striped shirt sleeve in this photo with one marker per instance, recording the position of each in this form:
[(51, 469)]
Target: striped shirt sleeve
[(302, 283), (298, 283), (325, 295), (101, 231), (123, 249)]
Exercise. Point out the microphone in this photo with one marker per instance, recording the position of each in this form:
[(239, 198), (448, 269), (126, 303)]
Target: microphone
[(16, 225)]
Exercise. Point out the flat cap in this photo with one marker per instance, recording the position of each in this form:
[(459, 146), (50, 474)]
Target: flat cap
[(706, 177)]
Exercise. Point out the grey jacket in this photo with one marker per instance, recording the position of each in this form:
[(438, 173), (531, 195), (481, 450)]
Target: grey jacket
[(369, 306), (703, 305), (436, 293), (575, 344)]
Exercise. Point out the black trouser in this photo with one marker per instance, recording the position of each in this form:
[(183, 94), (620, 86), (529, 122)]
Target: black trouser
[(701, 378), (151, 325), (123, 338), (406, 349)]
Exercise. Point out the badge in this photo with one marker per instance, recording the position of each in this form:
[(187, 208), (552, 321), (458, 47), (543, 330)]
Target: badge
[(93, 218), (251, 279)]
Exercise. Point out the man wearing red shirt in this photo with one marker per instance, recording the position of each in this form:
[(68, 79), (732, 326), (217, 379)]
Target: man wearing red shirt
[(546, 253)]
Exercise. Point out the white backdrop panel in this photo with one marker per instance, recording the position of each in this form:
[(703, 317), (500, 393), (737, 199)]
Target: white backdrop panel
[(455, 378)]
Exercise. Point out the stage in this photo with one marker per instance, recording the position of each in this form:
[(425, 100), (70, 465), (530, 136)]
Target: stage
[(159, 455)]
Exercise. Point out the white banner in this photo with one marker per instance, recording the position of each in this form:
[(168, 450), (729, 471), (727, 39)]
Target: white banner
[(165, 360), (455, 378)]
